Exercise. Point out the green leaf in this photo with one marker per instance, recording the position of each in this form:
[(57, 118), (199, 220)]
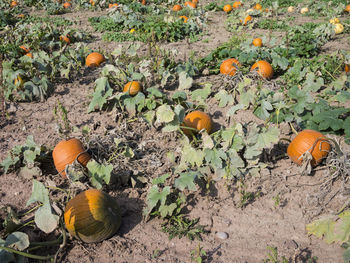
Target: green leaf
[(17, 240), (192, 156), (342, 233), (186, 180), (322, 227), (160, 179), (312, 83), (262, 111), (9, 161), (154, 196), (165, 114), (233, 109), (102, 92), (44, 218), (167, 210), (200, 95), (99, 173), (215, 157), (149, 116), (39, 193), (224, 98), (185, 81), (268, 137), (330, 119), (5, 257)]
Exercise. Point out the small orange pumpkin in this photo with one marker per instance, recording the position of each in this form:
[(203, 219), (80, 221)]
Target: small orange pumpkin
[(113, 5), (92, 216), (65, 39), (29, 55), (258, 6), (237, 4), (197, 120), (185, 18), (347, 8), (227, 8), (14, 4), (246, 20), (312, 141), (195, 1), (347, 68), (257, 42), (229, 66), (94, 59), (133, 87), (67, 5), (191, 4), (21, 15), (66, 152), (92, 2), (143, 2), (264, 68), (25, 49), (177, 8)]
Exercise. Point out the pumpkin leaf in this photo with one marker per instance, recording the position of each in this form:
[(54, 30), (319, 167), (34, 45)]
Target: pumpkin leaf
[(186, 180), (6, 257), (185, 81), (99, 173), (224, 98), (165, 114), (160, 179), (342, 232), (44, 218), (155, 196), (200, 95), (39, 193), (102, 92), (322, 228), (17, 240)]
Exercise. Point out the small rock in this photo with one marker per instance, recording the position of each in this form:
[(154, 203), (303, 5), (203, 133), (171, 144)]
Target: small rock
[(221, 235)]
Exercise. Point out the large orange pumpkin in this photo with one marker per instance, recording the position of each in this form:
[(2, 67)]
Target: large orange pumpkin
[(133, 87), (177, 8), (246, 20), (264, 69), (347, 8), (227, 8), (257, 42), (66, 152), (236, 4), (312, 141), (258, 6), (67, 5), (13, 4), (197, 120), (191, 4), (229, 66), (92, 216), (94, 59)]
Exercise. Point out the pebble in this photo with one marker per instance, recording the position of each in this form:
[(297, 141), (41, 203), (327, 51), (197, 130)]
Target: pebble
[(221, 235)]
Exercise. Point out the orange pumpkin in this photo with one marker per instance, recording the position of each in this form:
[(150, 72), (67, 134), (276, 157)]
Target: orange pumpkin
[(347, 8), (258, 7), (191, 4), (13, 4), (25, 49), (113, 5), (66, 152), (133, 87), (177, 8), (94, 59), (65, 39), (227, 8), (67, 5), (92, 2), (347, 68), (197, 120), (29, 55), (92, 216), (312, 141), (237, 4), (264, 68), (143, 2), (21, 15), (195, 1), (257, 42), (229, 66), (246, 20), (185, 18)]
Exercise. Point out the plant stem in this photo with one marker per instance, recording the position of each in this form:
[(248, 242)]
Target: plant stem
[(25, 254)]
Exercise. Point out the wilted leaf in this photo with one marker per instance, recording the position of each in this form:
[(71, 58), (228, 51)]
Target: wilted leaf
[(17, 240), (186, 180), (165, 114), (44, 218), (99, 173), (39, 193)]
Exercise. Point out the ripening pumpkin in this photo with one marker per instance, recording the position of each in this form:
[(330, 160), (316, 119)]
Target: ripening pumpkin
[(92, 216), (236, 4), (25, 49), (257, 42), (66, 152), (113, 5), (338, 28), (94, 59), (92, 2), (291, 9), (177, 8), (347, 68), (143, 2), (304, 10), (29, 55), (347, 8), (133, 87), (264, 69), (258, 7), (229, 66), (246, 20), (195, 1), (191, 4), (65, 39), (197, 120), (227, 8), (14, 4), (21, 15), (67, 5), (312, 141), (184, 18)]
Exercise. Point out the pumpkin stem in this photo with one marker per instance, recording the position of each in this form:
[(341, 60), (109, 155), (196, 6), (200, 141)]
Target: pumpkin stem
[(24, 254), (291, 126)]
